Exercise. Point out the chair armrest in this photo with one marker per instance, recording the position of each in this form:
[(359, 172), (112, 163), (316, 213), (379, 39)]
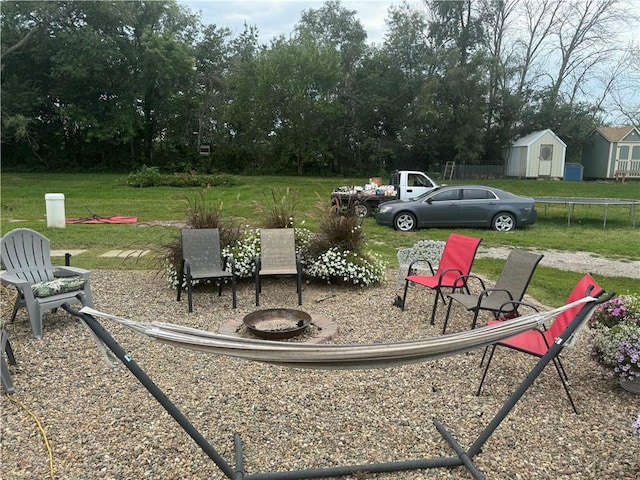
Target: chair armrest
[(465, 279), (70, 272), (515, 303), (444, 272), (420, 260), (488, 291), (14, 280)]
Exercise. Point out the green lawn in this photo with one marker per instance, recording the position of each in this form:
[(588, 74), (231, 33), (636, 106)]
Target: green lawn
[(23, 205)]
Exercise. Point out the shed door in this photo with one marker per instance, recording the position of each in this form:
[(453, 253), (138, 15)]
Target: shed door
[(545, 160)]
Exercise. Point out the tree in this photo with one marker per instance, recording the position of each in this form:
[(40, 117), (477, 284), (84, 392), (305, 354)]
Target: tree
[(623, 85), (122, 104), (298, 79), (334, 27)]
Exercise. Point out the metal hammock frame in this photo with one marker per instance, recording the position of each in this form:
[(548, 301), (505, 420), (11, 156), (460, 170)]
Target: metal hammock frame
[(462, 457)]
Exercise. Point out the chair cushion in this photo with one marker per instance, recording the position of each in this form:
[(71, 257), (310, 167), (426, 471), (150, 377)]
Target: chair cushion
[(57, 286)]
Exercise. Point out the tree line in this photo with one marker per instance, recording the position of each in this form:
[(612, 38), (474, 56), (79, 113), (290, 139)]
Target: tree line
[(113, 86)]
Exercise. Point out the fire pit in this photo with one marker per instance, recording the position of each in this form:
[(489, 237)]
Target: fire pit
[(277, 323)]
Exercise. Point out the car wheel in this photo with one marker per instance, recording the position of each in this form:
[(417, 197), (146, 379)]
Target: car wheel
[(503, 222), (361, 210), (405, 222)]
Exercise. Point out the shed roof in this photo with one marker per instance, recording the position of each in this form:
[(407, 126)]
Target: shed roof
[(614, 134), (530, 139)]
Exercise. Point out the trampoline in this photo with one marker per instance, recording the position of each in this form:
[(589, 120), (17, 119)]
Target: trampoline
[(571, 202)]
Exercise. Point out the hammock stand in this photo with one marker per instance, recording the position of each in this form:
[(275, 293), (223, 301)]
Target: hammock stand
[(462, 458)]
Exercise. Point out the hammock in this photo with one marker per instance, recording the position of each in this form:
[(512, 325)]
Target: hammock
[(339, 357), (350, 356)]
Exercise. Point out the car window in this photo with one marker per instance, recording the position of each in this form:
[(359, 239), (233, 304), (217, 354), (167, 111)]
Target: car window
[(416, 180), (447, 195), (478, 194)]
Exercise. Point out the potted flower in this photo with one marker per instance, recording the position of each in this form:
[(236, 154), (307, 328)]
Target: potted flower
[(615, 329)]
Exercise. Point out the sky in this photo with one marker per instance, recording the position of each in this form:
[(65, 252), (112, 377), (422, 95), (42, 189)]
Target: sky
[(276, 17)]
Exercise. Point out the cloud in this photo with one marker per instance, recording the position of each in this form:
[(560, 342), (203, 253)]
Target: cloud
[(279, 17)]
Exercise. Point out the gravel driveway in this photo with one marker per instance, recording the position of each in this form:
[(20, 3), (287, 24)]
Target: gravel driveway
[(583, 262), (101, 423)]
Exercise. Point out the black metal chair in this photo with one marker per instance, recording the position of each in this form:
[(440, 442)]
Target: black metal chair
[(509, 289), (202, 260)]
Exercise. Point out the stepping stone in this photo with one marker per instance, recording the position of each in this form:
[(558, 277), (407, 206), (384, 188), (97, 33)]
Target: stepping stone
[(125, 253)]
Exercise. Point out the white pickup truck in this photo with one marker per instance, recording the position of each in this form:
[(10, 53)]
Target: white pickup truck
[(363, 200)]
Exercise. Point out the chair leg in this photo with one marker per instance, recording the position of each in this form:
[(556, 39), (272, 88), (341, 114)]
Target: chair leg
[(35, 319), (233, 291), (564, 372), (484, 354), (435, 306), (180, 280), (484, 374), (475, 318), (5, 375), (258, 288), (446, 318), (404, 296), (560, 371), (189, 293), (16, 306), (9, 350)]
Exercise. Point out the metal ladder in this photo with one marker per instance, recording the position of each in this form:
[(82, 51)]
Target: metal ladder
[(448, 170)]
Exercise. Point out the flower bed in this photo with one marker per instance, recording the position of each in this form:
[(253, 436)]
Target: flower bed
[(336, 265), (615, 336), (615, 329)]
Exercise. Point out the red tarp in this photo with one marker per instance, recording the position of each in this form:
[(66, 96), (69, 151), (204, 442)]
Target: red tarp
[(111, 219)]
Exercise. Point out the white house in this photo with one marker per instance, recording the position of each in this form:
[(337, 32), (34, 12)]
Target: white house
[(537, 155)]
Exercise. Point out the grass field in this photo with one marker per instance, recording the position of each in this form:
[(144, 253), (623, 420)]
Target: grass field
[(23, 205)]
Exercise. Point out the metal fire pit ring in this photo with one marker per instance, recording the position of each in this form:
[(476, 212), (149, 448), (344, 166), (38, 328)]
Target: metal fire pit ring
[(298, 320)]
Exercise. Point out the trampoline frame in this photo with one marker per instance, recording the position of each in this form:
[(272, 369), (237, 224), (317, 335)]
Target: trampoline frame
[(571, 202)]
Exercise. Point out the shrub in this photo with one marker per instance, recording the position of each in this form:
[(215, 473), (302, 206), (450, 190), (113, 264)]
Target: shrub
[(337, 254), (278, 209), (151, 177), (338, 229), (144, 177), (200, 213)]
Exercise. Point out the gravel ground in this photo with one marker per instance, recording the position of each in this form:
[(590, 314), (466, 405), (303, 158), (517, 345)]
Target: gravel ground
[(102, 423)]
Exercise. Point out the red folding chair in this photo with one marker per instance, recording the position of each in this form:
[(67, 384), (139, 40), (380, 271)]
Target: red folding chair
[(537, 342), (457, 258)]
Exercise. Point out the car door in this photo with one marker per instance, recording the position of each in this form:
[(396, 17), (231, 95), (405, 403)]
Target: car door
[(477, 207), (440, 209)]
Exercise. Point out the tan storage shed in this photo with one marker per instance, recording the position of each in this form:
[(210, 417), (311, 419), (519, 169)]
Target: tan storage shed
[(537, 155)]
